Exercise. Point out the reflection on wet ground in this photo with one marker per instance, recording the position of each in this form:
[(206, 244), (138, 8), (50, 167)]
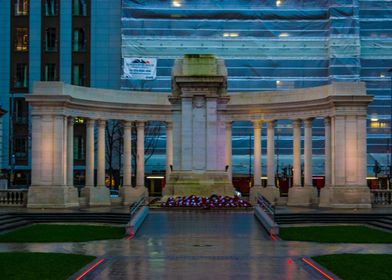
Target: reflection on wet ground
[(201, 245)]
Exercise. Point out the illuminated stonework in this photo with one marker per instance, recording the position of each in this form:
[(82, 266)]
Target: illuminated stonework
[(198, 114)]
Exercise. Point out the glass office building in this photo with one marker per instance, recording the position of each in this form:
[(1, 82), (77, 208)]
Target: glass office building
[(272, 45)]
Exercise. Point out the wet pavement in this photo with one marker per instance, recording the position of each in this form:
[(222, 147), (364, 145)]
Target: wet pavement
[(201, 245)]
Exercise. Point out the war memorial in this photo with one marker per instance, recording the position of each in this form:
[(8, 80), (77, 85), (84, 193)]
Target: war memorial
[(198, 114)]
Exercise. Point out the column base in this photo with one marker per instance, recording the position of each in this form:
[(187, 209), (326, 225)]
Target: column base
[(96, 196), (345, 197), (271, 193), (302, 196), (130, 195), (52, 197)]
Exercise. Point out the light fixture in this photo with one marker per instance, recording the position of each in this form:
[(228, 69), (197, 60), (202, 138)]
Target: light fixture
[(278, 3), (278, 83), (176, 3), (284, 34), (227, 34), (382, 75), (374, 119), (155, 177)]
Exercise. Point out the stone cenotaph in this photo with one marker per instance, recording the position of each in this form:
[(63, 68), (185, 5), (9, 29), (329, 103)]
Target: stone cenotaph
[(199, 100)]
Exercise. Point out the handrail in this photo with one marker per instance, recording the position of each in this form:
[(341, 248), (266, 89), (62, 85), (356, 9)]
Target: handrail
[(266, 206), (134, 207)]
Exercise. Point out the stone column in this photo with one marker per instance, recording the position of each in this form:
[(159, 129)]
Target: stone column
[(101, 154), (90, 153), (140, 154), (36, 150), (270, 153), (127, 166), (257, 153), (128, 194), (228, 157), (327, 148), (169, 148), (308, 153), (297, 153), (305, 196), (100, 195), (70, 150)]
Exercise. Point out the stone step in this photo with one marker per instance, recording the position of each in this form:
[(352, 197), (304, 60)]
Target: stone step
[(382, 225), (14, 225)]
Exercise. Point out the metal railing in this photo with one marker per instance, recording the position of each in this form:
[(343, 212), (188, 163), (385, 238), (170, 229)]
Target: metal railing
[(266, 206), (134, 207), (13, 197), (381, 197)]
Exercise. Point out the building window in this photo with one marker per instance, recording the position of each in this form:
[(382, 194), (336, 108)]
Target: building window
[(22, 39), (79, 153), (79, 40), (80, 8), (20, 80), (20, 111), (78, 75), (50, 40), (20, 147), (50, 72), (21, 7), (51, 8)]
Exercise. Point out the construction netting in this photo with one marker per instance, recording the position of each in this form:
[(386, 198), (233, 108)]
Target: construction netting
[(270, 45)]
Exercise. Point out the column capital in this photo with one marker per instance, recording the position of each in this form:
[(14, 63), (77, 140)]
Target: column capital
[(169, 125), (127, 124), (257, 124), (101, 123), (271, 124), (327, 121), (90, 122), (308, 122), (70, 120), (228, 124), (140, 124), (296, 123)]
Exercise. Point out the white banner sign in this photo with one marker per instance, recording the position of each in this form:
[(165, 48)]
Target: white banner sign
[(140, 68)]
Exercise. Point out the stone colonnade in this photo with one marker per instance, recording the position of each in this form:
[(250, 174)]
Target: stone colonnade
[(345, 162), (52, 152)]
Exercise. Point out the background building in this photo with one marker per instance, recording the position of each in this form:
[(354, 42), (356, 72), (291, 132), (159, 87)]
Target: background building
[(267, 45)]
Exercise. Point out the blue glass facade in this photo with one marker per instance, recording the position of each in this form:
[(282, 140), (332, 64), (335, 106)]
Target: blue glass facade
[(272, 45)]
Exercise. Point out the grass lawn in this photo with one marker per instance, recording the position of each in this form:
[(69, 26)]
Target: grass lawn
[(41, 265), (336, 234), (358, 266), (63, 233)]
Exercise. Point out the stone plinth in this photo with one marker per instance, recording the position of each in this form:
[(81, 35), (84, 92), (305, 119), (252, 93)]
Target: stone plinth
[(184, 183), (345, 197), (130, 195), (96, 196), (52, 197), (270, 193), (302, 196)]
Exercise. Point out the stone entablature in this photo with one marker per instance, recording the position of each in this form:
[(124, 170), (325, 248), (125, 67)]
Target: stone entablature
[(198, 114)]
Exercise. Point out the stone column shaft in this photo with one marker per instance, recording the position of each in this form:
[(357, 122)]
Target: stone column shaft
[(90, 153), (169, 148), (308, 153), (228, 157), (101, 154), (297, 153), (328, 152), (257, 153), (70, 150), (36, 150), (127, 165), (140, 154), (271, 153)]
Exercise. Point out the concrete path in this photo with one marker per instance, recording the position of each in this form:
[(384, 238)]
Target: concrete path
[(201, 245)]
